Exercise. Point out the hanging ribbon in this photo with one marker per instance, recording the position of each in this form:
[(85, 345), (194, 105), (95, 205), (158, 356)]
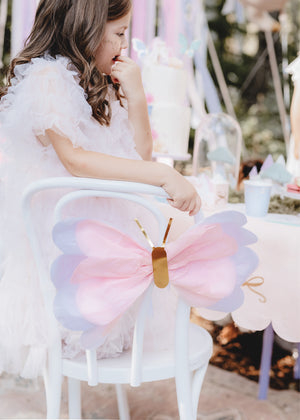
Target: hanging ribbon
[(22, 20), (150, 21), (139, 22), (170, 24), (195, 27)]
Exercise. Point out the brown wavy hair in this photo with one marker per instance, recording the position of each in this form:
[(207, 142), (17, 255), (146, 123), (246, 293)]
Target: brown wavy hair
[(74, 29)]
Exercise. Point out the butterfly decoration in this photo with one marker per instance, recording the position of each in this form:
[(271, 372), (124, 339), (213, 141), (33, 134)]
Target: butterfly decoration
[(157, 53), (187, 49), (102, 271), (140, 48)]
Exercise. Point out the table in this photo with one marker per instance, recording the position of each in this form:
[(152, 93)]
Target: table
[(278, 305)]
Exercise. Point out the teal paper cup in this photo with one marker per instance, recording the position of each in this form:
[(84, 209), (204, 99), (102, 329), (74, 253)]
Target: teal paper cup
[(257, 197)]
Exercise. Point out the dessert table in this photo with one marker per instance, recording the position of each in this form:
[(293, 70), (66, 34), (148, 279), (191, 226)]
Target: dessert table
[(272, 294)]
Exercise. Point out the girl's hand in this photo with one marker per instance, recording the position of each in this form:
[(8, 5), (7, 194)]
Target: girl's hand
[(183, 195), (126, 72)]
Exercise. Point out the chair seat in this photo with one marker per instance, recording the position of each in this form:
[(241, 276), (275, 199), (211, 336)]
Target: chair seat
[(156, 365)]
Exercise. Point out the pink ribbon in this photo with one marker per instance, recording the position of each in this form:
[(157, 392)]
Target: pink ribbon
[(171, 24)]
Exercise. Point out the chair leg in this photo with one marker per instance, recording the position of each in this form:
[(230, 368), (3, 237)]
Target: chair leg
[(184, 396), (74, 396), (122, 402), (53, 382), (198, 379), (183, 375)]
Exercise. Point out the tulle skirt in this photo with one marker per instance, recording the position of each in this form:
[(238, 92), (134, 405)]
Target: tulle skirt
[(23, 322)]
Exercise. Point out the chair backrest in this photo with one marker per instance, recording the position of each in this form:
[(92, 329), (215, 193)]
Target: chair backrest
[(218, 131), (79, 188)]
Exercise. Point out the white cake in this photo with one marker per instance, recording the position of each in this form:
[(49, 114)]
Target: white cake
[(166, 88)]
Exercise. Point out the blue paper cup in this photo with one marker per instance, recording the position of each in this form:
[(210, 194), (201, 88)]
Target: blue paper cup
[(257, 197)]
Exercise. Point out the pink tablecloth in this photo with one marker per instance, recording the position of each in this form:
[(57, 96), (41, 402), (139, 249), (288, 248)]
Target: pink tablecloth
[(278, 249)]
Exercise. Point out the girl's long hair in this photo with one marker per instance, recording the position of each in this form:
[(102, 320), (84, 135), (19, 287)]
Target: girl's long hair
[(75, 29)]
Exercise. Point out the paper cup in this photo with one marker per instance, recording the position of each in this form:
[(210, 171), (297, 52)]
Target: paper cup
[(257, 197)]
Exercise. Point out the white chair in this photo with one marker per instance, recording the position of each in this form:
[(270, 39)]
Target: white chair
[(186, 361), (218, 131)]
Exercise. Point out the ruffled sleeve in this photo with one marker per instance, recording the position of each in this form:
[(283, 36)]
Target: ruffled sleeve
[(45, 94), (294, 69)]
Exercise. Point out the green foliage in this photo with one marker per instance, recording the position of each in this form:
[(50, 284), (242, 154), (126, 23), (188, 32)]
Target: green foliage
[(248, 75)]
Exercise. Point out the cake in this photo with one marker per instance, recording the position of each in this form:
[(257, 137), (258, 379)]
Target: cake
[(165, 84)]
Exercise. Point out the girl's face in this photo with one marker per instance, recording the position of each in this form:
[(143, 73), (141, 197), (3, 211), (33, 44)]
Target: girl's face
[(114, 41)]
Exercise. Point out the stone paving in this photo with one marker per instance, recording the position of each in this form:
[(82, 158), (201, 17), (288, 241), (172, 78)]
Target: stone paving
[(225, 396)]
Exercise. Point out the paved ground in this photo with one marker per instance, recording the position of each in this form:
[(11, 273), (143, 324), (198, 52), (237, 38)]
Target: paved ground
[(225, 396)]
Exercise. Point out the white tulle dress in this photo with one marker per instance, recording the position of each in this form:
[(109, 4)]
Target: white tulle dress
[(293, 164), (45, 93)]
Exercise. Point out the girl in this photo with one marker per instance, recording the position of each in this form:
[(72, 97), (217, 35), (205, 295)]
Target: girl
[(73, 106), (293, 162), (81, 42)]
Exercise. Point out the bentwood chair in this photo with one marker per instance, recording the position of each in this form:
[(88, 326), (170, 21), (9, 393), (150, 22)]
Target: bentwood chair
[(186, 360)]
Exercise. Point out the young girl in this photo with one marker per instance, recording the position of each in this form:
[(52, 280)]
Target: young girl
[(293, 162), (74, 105)]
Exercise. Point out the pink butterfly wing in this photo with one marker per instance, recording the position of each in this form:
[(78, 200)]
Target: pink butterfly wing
[(115, 273), (200, 265)]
